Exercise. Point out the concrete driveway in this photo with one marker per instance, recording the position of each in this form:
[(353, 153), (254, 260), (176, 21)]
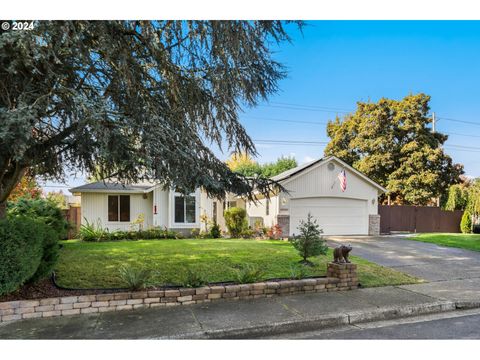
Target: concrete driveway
[(424, 260), (451, 274)]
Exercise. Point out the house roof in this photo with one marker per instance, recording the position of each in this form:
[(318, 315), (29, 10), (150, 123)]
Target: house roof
[(100, 186), (289, 173), (297, 170)]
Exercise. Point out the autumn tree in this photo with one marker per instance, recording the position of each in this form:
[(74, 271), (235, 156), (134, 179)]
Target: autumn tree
[(392, 143), (134, 100), (27, 187), (243, 163)]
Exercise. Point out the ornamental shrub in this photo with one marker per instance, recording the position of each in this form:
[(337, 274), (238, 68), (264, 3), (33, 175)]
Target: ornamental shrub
[(215, 232), (134, 278), (55, 228), (45, 210), (466, 223), (235, 220), (248, 273), (309, 243), (21, 244), (50, 252)]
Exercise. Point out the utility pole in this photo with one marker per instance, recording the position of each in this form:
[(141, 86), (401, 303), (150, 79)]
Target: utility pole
[(433, 122), (433, 132)]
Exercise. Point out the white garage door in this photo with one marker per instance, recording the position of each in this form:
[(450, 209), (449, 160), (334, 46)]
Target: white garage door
[(336, 216)]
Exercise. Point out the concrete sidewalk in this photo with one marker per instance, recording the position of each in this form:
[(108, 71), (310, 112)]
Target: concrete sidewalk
[(256, 318)]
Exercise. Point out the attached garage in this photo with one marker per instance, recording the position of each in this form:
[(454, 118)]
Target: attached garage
[(336, 216), (341, 199)]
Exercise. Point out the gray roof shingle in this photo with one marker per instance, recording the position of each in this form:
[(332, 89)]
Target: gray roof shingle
[(110, 186)]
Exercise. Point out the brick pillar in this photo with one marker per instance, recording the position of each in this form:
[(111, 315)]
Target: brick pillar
[(346, 273), (373, 224), (284, 222)]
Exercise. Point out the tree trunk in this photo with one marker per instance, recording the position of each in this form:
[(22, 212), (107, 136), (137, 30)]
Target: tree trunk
[(3, 210)]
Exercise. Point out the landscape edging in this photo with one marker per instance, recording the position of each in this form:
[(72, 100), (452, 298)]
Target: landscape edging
[(340, 277)]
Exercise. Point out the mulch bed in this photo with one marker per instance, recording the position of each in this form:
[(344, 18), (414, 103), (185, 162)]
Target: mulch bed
[(47, 289)]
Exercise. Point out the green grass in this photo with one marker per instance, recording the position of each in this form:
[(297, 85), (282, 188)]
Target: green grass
[(463, 241), (95, 265)]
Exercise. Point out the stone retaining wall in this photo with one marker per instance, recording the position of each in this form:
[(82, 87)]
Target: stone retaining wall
[(339, 277)]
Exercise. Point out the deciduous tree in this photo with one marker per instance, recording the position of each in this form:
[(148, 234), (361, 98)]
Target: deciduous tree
[(391, 142)]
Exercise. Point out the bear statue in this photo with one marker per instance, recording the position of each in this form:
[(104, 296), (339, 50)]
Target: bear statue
[(340, 254)]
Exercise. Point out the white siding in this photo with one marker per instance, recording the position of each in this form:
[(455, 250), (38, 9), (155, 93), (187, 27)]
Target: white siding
[(318, 189), (160, 200), (259, 209), (95, 210), (321, 181)]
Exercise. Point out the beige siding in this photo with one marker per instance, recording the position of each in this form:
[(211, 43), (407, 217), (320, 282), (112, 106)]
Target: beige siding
[(95, 210)]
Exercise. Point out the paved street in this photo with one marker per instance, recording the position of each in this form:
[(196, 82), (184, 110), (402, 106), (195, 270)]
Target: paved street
[(464, 325)]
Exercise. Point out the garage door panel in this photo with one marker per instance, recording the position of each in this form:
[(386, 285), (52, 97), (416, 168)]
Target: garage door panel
[(334, 211), (336, 216)]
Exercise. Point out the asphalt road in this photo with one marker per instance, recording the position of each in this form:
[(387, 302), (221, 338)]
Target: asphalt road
[(465, 325)]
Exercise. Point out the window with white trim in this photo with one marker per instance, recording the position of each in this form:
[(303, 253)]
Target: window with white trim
[(267, 207), (184, 209)]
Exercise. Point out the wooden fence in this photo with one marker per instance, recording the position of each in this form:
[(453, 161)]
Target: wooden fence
[(418, 219), (73, 216)]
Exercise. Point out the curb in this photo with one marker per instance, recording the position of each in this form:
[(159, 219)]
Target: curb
[(331, 320)]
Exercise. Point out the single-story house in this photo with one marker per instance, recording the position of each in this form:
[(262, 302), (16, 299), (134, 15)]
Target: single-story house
[(341, 199)]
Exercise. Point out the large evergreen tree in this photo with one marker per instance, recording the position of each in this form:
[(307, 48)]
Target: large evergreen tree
[(133, 100), (391, 142)]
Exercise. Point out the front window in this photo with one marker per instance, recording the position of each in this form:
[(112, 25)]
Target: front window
[(232, 204), (119, 208), (185, 209)]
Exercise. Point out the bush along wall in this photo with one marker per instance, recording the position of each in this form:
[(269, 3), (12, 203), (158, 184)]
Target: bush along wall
[(22, 242), (30, 242)]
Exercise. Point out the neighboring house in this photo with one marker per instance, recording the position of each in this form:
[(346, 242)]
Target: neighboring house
[(313, 187)]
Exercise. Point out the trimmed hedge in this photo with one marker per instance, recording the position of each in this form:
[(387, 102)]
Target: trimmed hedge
[(56, 227), (21, 243), (50, 253)]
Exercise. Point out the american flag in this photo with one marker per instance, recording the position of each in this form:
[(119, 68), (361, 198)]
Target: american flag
[(342, 176)]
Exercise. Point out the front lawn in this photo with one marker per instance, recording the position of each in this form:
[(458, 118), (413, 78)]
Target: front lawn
[(463, 241), (95, 265)]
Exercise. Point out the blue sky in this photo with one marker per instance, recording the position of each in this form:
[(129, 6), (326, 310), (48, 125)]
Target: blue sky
[(334, 64)]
